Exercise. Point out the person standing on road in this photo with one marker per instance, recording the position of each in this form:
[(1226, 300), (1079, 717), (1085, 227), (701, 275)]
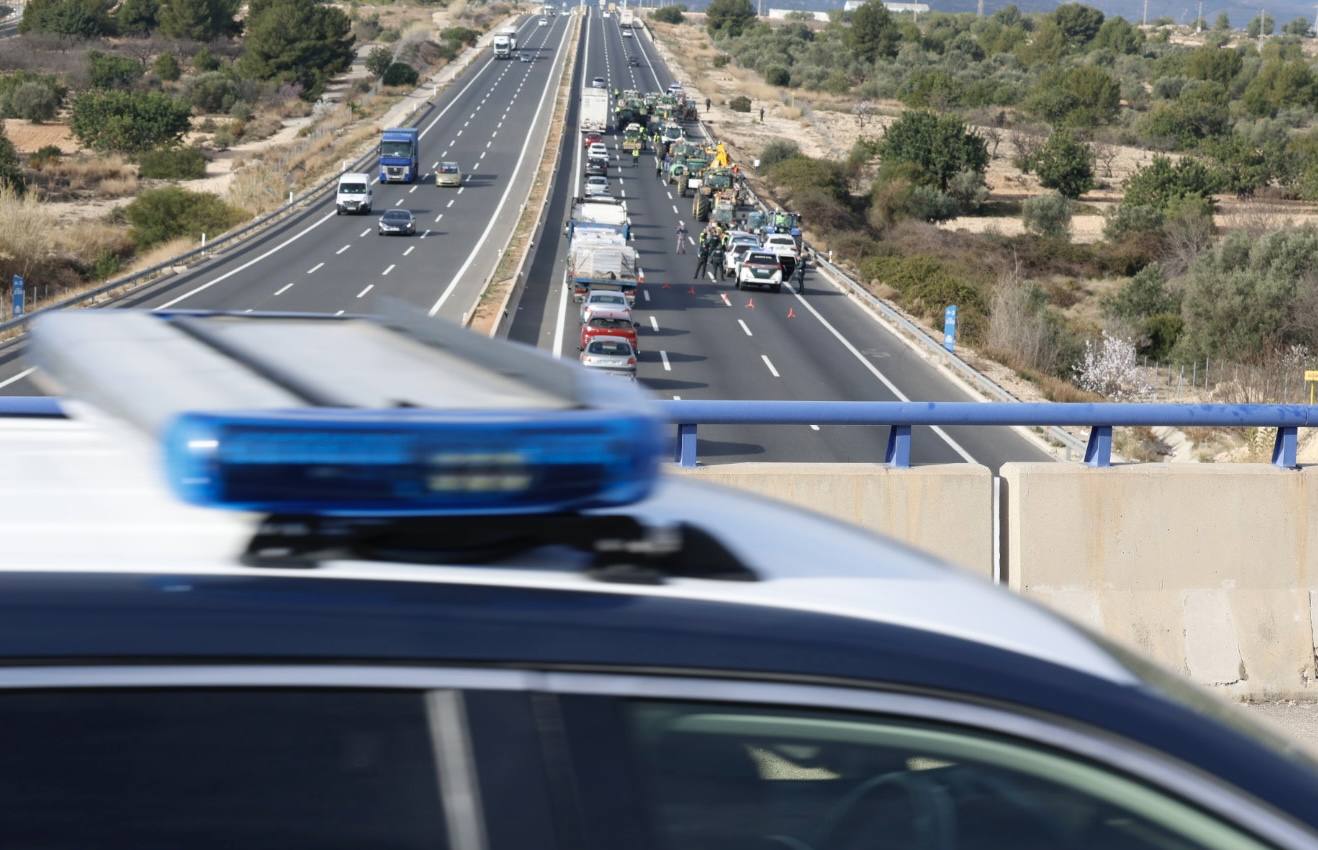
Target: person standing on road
[(658, 166), (800, 274), (681, 237), (716, 255), (636, 157), (761, 114), (703, 259), (707, 104)]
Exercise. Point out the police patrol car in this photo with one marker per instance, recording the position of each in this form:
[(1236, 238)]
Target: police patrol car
[(416, 589)]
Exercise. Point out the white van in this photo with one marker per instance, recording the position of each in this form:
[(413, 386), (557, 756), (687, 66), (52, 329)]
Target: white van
[(354, 194)]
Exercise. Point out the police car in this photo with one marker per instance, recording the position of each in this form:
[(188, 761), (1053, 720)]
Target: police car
[(301, 582)]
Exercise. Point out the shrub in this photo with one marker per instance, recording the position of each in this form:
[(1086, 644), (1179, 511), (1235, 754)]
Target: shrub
[(729, 17), (107, 71), (166, 67), (740, 103), (203, 60), (224, 138), (35, 101), (1110, 368), (43, 156), (1143, 296), (937, 147), (1161, 181), (1128, 219), (400, 74), (669, 14), (967, 189), (172, 164), (379, 60), (157, 215), (1066, 164), (301, 41), (123, 121), (213, 91), (462, 35), (777, 151), (201, 20), (777, 76), (721, 60), (927, 285), (11, 171), (70, 18), (800, 173), (390, 35), (1047, 215), (926, 203)]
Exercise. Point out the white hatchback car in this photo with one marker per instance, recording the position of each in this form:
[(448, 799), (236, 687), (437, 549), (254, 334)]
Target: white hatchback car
[(596, 185), (598, 149), (605, 300)]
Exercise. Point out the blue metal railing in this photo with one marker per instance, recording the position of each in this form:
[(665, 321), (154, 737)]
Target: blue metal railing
[(901, 417)]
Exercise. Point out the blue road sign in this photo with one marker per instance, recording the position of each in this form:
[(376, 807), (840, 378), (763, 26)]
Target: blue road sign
[(18, 295), (949, 327)]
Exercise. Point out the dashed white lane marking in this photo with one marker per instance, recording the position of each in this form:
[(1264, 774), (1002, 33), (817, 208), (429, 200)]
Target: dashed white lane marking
[(363, 233), (675, 212), (391, 268), (345, 247), (744, 328), (314, 268), (691, 240), (814, 427), (459, 133), (398, 203), (646, 293), (669, 194), (368, 288), (281, 290), (425, 233), (435, 164), (769, 363), (728, 303), (410, 249), (20, 376), (413, 189), (461, 189), (654, 323), (338, 312), (663, 355), (483, 154), (450, 202), (438, 217), (677, 398), (475, 166), (248, 310)]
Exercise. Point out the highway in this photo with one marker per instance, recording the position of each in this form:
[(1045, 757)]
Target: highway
[(703, 339), (492, 120), (700, 339)]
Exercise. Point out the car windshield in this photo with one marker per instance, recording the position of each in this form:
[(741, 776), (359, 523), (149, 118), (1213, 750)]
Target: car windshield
[(449, 168), (741, 249), (403, 149), (352, 188), (398, 215), (610, 348)]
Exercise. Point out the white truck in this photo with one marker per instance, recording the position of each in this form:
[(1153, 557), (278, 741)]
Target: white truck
[(596, 110), (626, 17), (505, 43), (598, 254)]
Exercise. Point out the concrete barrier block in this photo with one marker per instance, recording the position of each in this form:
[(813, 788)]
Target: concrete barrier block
[(1207, 568), (944, 509)]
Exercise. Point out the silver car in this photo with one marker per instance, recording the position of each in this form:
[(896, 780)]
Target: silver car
[(602, 300), (611, 354), (597, 185)]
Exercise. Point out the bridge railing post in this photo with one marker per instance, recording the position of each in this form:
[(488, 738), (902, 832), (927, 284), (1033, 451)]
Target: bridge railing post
[(1098, 451), (685, 454), (1284, 448), (898, 454)]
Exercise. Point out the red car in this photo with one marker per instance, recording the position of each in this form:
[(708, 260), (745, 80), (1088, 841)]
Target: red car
[(590, 139), (608, 323)]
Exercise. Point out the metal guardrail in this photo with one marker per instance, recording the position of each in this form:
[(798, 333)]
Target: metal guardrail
[(899, 417), (217, 245)]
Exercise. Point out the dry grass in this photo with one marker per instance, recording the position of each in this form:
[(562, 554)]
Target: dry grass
[(160, 253), (25, 227), (258, 187), (118, 187), (90, 239)]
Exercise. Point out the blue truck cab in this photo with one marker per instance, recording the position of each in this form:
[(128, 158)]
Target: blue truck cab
[(399, 149)]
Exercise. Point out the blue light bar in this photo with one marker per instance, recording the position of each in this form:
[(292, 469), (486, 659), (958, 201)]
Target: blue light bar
[(413, 462)]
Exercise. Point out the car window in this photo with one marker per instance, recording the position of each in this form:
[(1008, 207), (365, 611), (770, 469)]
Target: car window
[(219, 769), (714, 777), (448, 168), (765, 259), (352, 188), (610, 349)]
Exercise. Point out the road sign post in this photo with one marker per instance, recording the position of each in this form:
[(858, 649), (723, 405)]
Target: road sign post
[(18, 295), (1311, 378), (949, 327)]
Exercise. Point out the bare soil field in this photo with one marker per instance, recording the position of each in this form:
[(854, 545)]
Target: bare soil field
[(29, 137)]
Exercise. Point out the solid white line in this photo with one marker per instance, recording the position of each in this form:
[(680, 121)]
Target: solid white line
[(654, 323), (892, 388), (391, 268), (814, 427), (512, 181), (315, 268), (249, 263), (363, 233), (409, 250), (368, 288), (744, 328), (20, 376), (344, 248), (281, 290), (562, 319), (769, 363), (663, 355)]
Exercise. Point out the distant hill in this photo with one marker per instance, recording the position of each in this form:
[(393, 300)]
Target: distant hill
[(1181, 11)]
